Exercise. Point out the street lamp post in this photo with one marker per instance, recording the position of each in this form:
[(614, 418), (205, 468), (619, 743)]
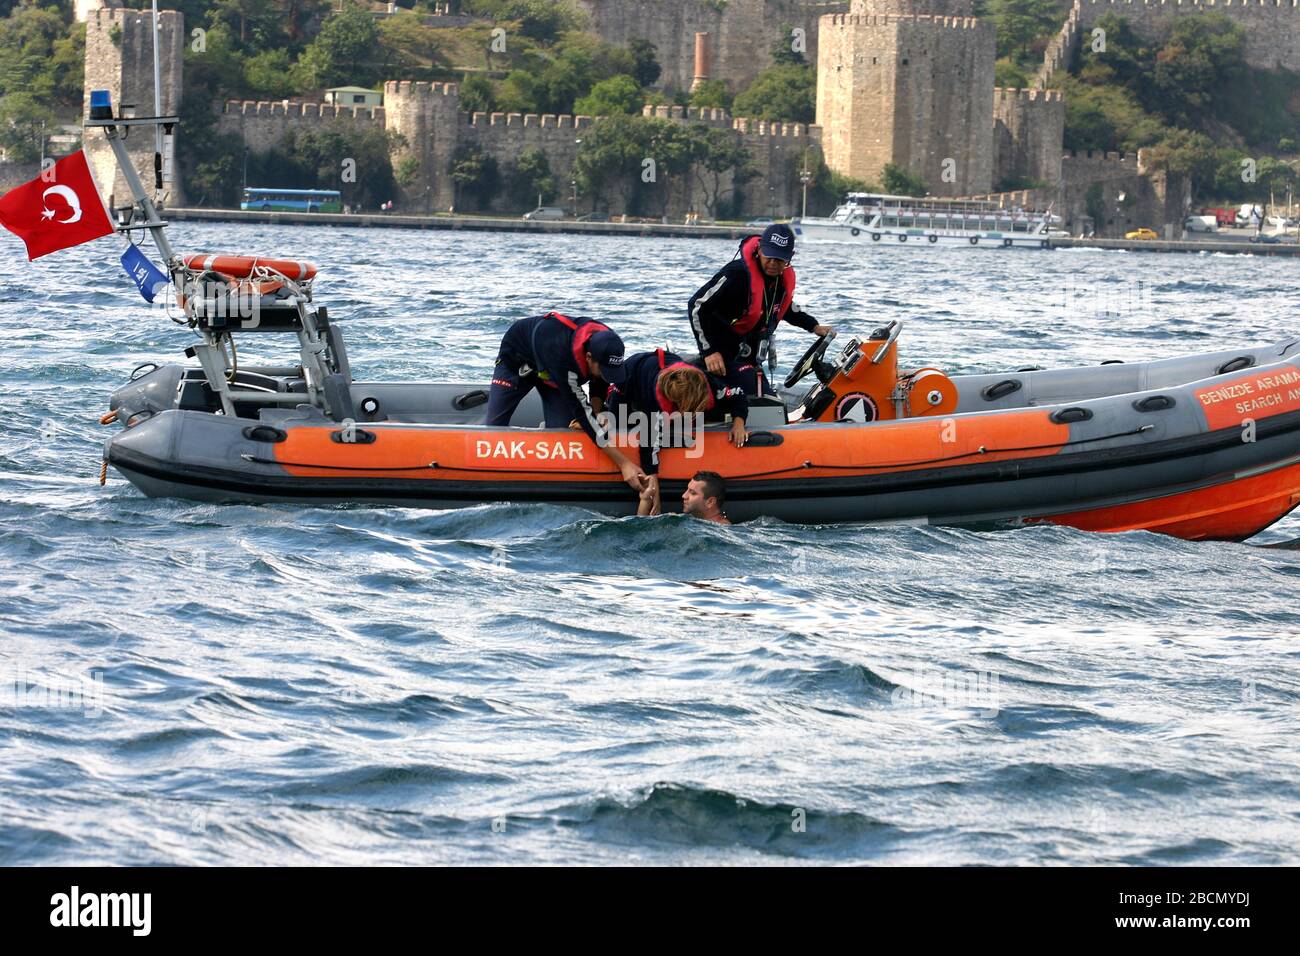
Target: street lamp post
[(805, 177), (574, 181)]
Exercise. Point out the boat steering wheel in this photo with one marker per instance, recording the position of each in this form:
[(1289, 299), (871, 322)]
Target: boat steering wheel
[(811, 359)]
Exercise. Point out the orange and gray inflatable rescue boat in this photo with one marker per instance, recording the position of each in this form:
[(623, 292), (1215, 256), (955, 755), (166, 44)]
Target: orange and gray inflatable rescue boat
[(1200, 446)]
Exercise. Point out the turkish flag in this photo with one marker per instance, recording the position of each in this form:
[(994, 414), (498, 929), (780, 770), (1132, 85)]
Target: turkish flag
[(58, 209)]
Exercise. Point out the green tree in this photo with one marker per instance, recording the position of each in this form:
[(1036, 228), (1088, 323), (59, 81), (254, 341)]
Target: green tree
[(783, 93), (720, 157), (1189, 154), (610, 158), (343, 53), (268, 74), (1204, 55), (541, 20), (1020, 22), (673, 150), (783, 51), (27, 44), (214, 177), (1126, 59), (618, 94), (476, 176), (318, 156), (1008, 75), (899, 181), (645, 57), (519, 93), (477, 95), (530, 179), (410, 49), (712, 94), (24, 119)]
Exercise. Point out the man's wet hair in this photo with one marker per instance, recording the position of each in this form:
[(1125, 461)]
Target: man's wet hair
[(714, 486)]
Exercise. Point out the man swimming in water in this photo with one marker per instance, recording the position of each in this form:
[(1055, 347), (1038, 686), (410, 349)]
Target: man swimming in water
[(704, 497)]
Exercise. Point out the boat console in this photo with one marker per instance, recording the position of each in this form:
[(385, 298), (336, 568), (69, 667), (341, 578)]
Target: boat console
[(863, 384)]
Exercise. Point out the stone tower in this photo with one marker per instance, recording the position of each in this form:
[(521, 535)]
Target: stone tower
[(427, 116), (908, 82), (119, 58)]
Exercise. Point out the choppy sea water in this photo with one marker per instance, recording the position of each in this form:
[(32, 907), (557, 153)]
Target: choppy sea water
[(188, 683)]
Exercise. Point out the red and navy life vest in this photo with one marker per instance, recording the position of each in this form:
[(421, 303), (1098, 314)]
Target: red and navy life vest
[(581, 334), (664, 404), (757, 284)]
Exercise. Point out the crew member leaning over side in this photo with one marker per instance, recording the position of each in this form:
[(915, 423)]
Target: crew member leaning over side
[(660, 383), (557, 355), (736, 311)]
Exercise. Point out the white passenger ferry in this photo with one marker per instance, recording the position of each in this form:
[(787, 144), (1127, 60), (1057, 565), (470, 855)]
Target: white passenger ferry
[(878, 218)]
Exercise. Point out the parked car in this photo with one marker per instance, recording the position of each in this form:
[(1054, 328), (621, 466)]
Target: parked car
[(758, 223), (547, 212), (1143, 233), (1267, 239), (1201, 224)]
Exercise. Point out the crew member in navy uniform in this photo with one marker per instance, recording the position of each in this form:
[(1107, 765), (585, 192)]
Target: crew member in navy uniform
[(658, 384), (735, 313), (558, 355)]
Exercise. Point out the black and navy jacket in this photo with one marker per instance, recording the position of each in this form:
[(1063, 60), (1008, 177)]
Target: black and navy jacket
[(740, 306), (552, 347), (640, 392)]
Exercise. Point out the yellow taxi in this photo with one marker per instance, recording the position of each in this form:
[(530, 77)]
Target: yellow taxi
[(1143, 233)]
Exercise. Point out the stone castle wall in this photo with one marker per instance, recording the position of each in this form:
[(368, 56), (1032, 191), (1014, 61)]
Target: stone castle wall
[(1156, 200), (1272, 27), (119, 58), (1060, 51), (262, 125), (1028, 129), (741, 32), (912, 90)]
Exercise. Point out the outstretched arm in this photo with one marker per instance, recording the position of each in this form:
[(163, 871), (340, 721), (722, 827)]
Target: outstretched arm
[(805, 321)]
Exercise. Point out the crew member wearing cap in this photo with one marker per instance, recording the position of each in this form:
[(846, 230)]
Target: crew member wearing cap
[(557, 355), (737, 311)]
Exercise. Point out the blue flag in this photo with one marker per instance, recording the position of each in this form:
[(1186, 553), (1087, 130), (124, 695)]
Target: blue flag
[(143, 273)]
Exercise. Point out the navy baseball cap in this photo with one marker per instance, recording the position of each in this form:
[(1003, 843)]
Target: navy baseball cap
[(607, 349), (777, 242)]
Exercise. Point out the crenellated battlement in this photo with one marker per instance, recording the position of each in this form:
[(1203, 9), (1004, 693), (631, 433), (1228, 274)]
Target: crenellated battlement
[(884, 19), (110, 15), (755, 128), (1206, 4), (420, 88), (1099, 156), (709, 116), (298, 109), (1061, 50), (527, 120), (1010, 95)]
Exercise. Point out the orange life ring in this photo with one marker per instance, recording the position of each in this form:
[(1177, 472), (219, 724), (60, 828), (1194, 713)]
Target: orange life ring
[(241, 267)]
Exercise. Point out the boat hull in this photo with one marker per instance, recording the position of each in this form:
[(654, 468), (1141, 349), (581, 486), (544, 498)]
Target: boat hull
[(1186, 461), (918, 238)]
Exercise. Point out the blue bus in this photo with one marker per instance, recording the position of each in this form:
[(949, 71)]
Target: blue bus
[(293, 200)]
